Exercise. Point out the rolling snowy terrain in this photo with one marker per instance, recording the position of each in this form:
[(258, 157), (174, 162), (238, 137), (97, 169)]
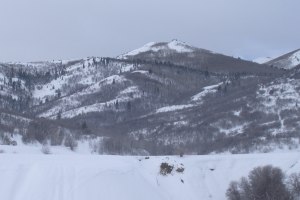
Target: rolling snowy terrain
[(80, 177), (29, 173)]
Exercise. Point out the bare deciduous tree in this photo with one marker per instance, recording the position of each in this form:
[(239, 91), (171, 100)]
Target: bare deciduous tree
[(262, 183)]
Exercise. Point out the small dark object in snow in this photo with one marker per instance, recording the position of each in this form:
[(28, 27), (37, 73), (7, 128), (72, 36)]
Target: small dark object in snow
[(180, 169), (212, 169), (182, 181), (146, 158), (166, 169), (140, 160)]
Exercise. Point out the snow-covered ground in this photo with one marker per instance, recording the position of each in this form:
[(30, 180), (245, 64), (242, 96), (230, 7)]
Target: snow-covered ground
[(81, 177)]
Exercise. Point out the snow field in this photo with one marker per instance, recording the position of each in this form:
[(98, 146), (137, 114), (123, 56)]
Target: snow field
[(81, 177)]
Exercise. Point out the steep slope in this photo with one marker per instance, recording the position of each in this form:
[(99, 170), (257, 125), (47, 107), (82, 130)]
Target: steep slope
[(287, 61)]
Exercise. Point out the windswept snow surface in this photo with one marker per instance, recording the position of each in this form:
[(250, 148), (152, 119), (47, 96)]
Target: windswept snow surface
[(93, 177)]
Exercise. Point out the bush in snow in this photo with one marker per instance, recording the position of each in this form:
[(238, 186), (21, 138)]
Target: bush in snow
[(234, 191), (46, 149), (262, 183), (166, 169), (180, 169), (71, 142)]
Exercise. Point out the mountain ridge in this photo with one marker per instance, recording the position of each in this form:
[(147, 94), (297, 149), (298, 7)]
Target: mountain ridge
[(156, 101)]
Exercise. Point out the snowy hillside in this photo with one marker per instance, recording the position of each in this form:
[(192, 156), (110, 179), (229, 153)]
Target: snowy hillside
[(162, 98), (81, 177), (287, 61)]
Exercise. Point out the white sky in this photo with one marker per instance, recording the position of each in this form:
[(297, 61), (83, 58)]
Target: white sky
[(32, 30)]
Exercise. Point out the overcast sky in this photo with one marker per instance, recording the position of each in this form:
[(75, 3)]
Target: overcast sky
[(32, 30)]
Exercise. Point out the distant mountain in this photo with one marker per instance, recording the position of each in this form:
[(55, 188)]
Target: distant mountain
[(175, 46), (180, 53), (262, 60), (287, 61), (162, 98)]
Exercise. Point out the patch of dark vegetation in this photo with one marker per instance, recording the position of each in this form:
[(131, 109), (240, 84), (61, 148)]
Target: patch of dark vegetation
[(166, 169)]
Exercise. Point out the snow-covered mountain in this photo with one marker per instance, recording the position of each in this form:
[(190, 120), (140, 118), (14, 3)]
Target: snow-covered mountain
[(162, 98), (175, 46), (287, 61)]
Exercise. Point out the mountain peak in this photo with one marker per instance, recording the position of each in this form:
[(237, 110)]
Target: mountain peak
[(177, 42), (180, 46), (175, 46)]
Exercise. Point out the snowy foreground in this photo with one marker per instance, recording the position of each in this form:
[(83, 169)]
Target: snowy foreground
[(82, 177)]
